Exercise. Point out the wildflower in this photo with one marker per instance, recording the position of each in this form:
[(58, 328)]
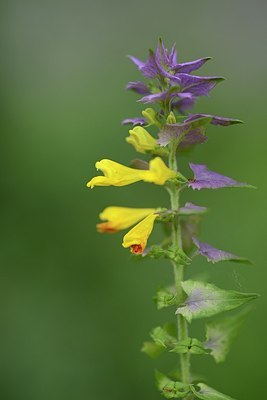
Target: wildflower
[(118, 218), (116, 174), (137, 237), (141, 140)]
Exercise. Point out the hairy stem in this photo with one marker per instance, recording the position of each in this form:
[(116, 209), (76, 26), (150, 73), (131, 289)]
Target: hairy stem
[(178, 269)]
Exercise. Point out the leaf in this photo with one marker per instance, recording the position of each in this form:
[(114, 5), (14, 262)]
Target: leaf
[(171, 253), (190, 228), (191, 209), (205, 300), (162, 338), (214, 255), (152, 349), (164, 298), (206, 179), (215, 120), (188, 345), (221, 333), (196, 129), (207, 393), (171, 389)]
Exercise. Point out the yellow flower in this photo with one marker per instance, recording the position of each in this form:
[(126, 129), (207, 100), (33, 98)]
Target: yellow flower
[(116, 174), (141, 140), (158, 172), (137, 237), (118, 218)]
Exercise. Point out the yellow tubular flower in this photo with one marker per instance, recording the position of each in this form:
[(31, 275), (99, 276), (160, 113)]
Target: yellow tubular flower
[(116, 174), (118, 218), (137, 237), (141, 140), (158, 172)]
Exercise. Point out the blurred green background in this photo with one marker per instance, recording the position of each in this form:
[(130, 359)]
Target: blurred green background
[(74, 306)]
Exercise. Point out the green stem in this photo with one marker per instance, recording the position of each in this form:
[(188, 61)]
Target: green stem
[(178, 269)]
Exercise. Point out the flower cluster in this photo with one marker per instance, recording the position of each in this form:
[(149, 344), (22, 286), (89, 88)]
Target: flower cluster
[(173, 89)]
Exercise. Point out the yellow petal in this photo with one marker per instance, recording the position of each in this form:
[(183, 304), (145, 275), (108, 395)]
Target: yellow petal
[(115, 174), (141, 140), (137, 237), (119, 218), (158, 172)]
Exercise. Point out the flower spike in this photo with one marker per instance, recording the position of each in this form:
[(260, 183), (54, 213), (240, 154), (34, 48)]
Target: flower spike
[(174, 89)]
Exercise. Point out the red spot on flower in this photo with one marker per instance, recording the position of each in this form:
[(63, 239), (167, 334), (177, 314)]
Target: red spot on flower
[(105, 228), (136, 248)]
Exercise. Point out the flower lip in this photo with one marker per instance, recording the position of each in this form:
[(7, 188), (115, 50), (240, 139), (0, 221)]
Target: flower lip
[(137, 248)]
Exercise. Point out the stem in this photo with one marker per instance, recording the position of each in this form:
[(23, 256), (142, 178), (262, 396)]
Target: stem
[(178, 269)]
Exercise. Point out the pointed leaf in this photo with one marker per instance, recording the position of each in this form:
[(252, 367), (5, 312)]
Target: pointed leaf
[(198, 85), (195, 128), (207, 393), (134, 121), (222, 121), (206, 179), (214, 255), (191, 209), (205, 300), (162, 338), (221, 333), (138, 87)]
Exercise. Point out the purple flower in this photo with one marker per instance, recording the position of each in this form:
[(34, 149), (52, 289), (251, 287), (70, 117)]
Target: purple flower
[(138, 87), (222, 121), (163, 64), (134, 121), (214, 255), (206, 179)]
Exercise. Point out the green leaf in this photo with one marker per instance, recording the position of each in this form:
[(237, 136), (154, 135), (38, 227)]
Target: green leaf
[(171, 389), (152, 349), (162, 337), (221, 333), (207, 393), (165, 298), (189, 345), (205, 300), (178, 255), (171, 253)]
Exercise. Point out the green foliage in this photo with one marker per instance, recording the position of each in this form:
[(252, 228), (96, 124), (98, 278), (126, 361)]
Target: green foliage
[(189, 345), (171, 389), (221, 333), (206, 300), (152, 349), (171, 253), (165, 298), (162, 337), (207, 393)]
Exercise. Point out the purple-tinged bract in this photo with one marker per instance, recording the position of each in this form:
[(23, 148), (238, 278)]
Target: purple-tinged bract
[(206, 179), (215, 255)]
